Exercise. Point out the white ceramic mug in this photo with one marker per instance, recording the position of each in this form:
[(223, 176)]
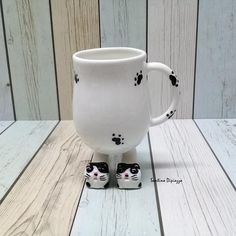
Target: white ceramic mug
[(111, 107)]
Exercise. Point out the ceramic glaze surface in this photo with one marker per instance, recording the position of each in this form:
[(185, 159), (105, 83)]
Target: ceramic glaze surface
[(111, 107)]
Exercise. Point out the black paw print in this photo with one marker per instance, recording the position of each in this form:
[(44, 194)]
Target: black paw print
[(117, 140), (170, 114), (173, 79), (138, 78), (76, 78)]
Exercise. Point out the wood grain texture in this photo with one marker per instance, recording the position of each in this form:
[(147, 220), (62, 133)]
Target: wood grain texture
[(120, 212), (29, 42), (171, 40), (76, 27), (221, 135), (123, 23), (205, 202), (6, 106), (216, 60), (4, 125), (18, 144), (44, 199)]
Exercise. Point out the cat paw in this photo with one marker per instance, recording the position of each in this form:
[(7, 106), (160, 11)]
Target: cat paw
[(138, 78), (117, 139), (97, 175), (169, 115), (173, 79), (128, 176)]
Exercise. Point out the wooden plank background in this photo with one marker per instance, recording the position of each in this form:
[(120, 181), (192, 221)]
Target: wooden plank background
[(204, 202), (38, 30), (215, 91), (18, 144), (53, 190), (221, 135), (171, 40), (6, 105), (76, 27), (29, 42), (123, 23)]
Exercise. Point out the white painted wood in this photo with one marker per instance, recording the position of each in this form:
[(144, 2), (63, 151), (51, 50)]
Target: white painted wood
[(4, 125), (29, 42), (6, 107), (221, 135), (215, 90), (171, 40), (18, 144), (120, 212), (123, 23), (205, 202), (45, 198)]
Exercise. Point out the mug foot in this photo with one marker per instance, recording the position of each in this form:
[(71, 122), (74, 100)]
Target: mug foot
[(97, 175), (128, 176)]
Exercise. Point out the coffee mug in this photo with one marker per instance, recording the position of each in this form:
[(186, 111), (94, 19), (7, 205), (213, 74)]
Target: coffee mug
[(111, 106)]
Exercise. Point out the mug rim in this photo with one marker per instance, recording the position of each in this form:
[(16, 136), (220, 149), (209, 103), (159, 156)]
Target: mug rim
[(80, 56)]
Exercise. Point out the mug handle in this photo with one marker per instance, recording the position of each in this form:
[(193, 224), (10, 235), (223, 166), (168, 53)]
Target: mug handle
[(151, 66)]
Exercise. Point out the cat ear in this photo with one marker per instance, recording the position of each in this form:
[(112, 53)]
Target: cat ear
[(89, 168), (136, 165), (105, 165)]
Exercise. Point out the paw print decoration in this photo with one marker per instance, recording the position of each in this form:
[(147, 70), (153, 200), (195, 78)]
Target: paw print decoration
[(173, 79), (117, 139), (76, 78), (169, 115), (138, 78)]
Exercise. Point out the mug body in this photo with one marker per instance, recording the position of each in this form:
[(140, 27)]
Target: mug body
[(111, 108)]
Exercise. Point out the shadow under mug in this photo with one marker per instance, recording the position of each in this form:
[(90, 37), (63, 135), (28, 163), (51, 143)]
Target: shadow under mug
[(111, 107)]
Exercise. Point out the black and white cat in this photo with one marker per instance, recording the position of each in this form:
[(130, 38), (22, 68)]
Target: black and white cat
[(128, 176), (97, 175)]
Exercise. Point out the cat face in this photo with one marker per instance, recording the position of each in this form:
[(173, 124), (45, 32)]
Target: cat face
[(128, 172), (97, 174)]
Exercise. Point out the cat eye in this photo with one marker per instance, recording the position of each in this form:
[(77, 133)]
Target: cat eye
[(134, 170), (89, 169)]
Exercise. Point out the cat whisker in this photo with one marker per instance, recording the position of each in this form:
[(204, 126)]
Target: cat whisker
[(135, 179)]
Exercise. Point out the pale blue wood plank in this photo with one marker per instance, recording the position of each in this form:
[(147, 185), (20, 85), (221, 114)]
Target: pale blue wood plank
[(4, 125), (120, 212), (221, 135), (204, 203), (215, 90), (6, 107), (18, 144), (123, 23), (171, 40), (29, 42)]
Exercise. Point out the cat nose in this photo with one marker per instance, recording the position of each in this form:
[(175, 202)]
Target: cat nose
[(96, 174), (126, 175)]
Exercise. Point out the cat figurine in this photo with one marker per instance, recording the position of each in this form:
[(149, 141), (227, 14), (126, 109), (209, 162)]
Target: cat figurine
[(97, 175), (128, 176)]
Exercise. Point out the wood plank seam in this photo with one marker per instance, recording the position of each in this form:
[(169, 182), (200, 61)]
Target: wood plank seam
[(7, 127), (155, 187), (22, 172), (7, 58), (55, 62), (77, 207), (199, 199), (231, 182), (195, 62), (56, 186)]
